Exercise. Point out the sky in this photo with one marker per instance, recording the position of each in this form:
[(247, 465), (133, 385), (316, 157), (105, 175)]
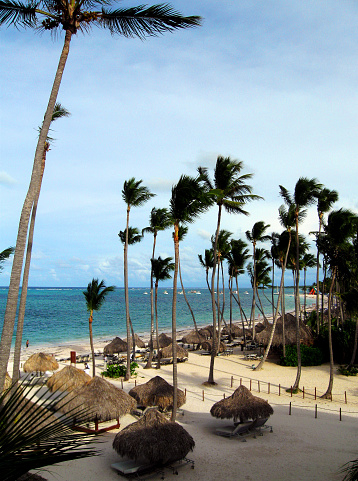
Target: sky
[(271, 83)]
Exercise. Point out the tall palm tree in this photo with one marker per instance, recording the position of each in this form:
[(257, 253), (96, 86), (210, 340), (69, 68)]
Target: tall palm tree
[(158, 221), (230, 191), (95, 296), (257, 234), (274, 255), (305, 194), (72, 17), (4, 255), (187, 202), (58, 113), (325, 200), (161, 272)]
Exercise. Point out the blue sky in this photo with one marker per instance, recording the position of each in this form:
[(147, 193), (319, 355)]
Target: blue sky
[(272, 83)]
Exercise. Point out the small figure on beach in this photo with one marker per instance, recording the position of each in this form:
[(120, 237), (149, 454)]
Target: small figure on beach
[(27, 343), (87, 369)]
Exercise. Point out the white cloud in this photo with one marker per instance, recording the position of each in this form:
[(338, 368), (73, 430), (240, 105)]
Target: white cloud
[(6, 179)]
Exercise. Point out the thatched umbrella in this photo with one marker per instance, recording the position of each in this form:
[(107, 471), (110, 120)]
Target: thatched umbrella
[(153, 439), (168, 352), (115, 346), (157, 392), (236, 331), (194, 337), (41, 362), (290, 332), (163, 340), (207, 331), (103, 400), (68, 379), (207, 345), (138, 341), (241, 404)]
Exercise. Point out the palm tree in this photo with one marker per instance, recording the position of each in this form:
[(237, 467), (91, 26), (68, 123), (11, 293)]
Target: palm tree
[(257, 234), (229, 190), (95, 296), (4, 255), (72, 17), (58, 113), (187, 202), (161, 269), (325, 199), (305, 194), (308, 261), (274, 255), (259, 274), (158, 221), (207, 263)]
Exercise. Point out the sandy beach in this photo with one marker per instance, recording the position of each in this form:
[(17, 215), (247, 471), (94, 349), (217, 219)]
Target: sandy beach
[(301, 446)]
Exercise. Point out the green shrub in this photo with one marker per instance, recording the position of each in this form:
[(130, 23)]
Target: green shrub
[(120, 370), (310, 356), (348, 371)]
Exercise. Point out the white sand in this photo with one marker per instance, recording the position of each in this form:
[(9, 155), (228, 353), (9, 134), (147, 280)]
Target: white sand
[(300, 447)]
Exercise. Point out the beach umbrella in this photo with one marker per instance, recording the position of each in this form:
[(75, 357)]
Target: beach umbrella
[(243, 405), (115, 346), (41, 362), (236, 331), (163, 340), (153, 439), (207, 345), (68, 379), (207, 331), (168, 352), (157, 392), (138, 341), (103, 400), (193, 337), (290, 332)]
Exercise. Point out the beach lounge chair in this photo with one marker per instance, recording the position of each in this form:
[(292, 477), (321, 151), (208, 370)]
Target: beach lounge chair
[(261, 426), (240, 430), (132, 468)]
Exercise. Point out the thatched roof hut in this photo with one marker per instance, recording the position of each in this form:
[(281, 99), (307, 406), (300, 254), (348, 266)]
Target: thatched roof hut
[(153, 439), (41, 362), (194, 337), (243, 405), (138, 341), (290, 332), (157, 392), (207, 331), (103, 400), (236, 331), (115, 346), (68, 379), (163, 340), (208, 344), (168, 352)]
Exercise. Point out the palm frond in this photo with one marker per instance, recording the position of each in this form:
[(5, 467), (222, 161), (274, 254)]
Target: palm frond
[(18, 13)]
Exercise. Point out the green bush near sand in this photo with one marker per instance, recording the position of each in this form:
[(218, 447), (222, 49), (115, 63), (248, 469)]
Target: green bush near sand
[(119, 370), (310, 356)]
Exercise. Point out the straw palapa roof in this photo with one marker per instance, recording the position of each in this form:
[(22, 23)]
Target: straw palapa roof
[(207, 345), (163, 340), (103, 400), (138, 341), (154, 439), (241, 404), (115, 346), (236, 330), (68, 379), (168, 352), (194, 337), (157, 392), (41, 362), (290, 332)]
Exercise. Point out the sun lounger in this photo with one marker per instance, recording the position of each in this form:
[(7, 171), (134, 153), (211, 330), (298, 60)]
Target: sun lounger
[(261, 426), (131, 467), (241, 429)]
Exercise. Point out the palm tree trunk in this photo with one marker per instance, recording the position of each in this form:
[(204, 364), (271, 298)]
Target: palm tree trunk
[(231, 294), (174, 325), (13, 293), (156, 324), (283, 321), (304, 287), (328, 393), (252, 317), (90, 321), (187, 302), (297, 311), (317, 278), (126, 298), (25, 279), (355, 346), (241, 310), (151, 344)]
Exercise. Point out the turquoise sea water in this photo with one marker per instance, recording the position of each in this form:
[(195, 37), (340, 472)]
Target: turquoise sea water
[(58, 315)]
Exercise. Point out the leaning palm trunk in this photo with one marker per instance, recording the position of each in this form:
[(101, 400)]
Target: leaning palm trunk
[(151, 344), (174, 319), (13, 293), (283, 321), (355, 346), (328, 393), (25, 278), (187, 302), (268, 347), (126, 298)]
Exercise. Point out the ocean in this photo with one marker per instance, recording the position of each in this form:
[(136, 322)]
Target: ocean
[(58, 315)]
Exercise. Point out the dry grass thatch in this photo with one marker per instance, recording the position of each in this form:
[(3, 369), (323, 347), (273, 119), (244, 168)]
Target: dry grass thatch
[(154, 439), (207, 331), (103, 400), (157, 392), (236, 331), (41, 362), (194, 337), (68, 379), (243, 405), (163, 340), (138, 341), (115, 346), (290, 332), (168, 352), (8, 381), (207, 345)]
